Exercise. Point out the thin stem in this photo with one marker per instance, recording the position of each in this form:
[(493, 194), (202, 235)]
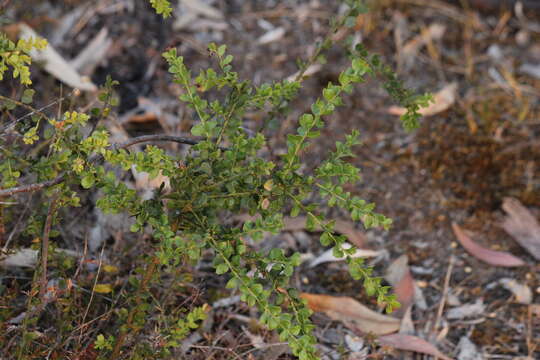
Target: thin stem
[(156, 138), (31, 187), (225, 123), (45, 249), (32, 110)]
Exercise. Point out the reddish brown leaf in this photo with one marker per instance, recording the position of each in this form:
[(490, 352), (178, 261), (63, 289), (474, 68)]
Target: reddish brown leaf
[(522, 226), (353, 314), (399, 276), (356, 237), (411, 343), (492, 257)]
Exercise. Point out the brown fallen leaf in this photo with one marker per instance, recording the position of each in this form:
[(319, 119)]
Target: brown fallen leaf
[(353, 314), (492, 257), (346, 228), (522, 226), (399, 276), (411, 343), (443, 100)]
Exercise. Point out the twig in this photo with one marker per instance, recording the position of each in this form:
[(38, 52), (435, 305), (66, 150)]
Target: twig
[(32, 110), (93, 290), (156, 138), (60, 178), (45, 249), (445, 293), (16, 225), (32, 187)]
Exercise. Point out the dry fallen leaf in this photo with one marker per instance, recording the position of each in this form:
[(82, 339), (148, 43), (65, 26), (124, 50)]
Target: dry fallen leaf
[(468, 350), (103, 288), (196, 15), (328, 255), (531, 70), (29, 257), (271, 36), (399, 276), (522, 292), (144, 184), (442, 100), (522, 226), (256, 340), (353, 314), (311, 70), (411, 343), (468, 310), (346, 228), (410, 49), (200, 7), (93, 54), (492, 257), (55, 64)]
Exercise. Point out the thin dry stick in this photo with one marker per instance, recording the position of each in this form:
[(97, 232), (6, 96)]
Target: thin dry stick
[(93, 291), (156, 138), (445, 293), (531, 344), (32, 110), (32, 187), (45, 249), (16, 226)]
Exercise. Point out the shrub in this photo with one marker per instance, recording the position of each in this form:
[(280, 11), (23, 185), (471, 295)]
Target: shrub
[(222, 175)]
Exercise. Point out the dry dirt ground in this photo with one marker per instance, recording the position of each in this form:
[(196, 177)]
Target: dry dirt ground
[(481, 147)]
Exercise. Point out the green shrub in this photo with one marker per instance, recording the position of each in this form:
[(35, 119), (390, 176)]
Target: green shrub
[(222, 175)]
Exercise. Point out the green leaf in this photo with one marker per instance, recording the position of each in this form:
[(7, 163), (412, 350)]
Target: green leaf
[(162, 7), (28, 95), (88, 181), (198, 130), (295, 211), (222, 269)]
